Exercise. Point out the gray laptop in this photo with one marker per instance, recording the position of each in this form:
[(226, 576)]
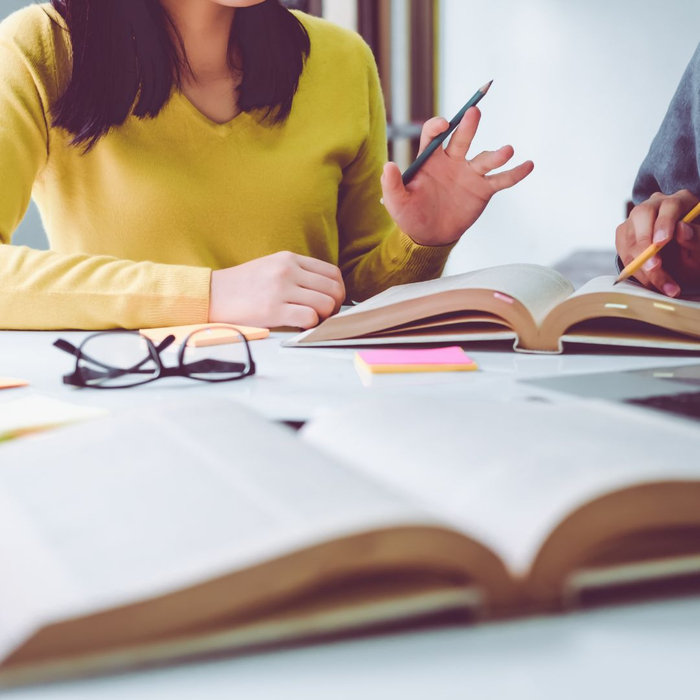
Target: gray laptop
[(674, 390)]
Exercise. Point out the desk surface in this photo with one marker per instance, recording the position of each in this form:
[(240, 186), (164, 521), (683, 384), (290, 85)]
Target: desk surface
[(296, 384), (642, 651)]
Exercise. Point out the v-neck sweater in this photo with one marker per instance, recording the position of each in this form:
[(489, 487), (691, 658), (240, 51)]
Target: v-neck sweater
[(137, 224)]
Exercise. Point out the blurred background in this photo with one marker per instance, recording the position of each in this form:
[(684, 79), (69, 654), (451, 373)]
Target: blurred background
[(580, 88)]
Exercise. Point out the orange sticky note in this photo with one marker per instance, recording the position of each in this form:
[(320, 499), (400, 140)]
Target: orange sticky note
[(210, 336), (8, 383), (452, 359)]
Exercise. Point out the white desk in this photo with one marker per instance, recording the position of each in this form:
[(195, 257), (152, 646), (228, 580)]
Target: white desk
[(643, 651), (296, 384)]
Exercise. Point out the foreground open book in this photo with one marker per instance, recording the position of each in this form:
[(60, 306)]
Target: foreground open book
[(199, 528), (533, 306)]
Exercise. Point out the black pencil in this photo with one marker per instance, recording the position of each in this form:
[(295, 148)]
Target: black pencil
[(440, 138)]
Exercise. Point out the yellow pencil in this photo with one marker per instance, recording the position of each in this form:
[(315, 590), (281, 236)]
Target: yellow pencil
[(652, 250)]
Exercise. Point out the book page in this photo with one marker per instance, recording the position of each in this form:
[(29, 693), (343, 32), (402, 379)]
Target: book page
[(606, 285), (155, 500), (623, 314), (34, 413), (507, 474), (537, 288)]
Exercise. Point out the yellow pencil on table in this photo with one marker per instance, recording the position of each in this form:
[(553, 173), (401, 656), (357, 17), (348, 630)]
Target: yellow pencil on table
[(653, 250)]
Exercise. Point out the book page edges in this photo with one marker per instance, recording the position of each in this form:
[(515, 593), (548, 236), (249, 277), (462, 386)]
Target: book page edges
[(599, 300), (652, 570), (568, 560), (596, 300), (402, 553), (626, 529), (427, 339), (356, 327), (363, 614)]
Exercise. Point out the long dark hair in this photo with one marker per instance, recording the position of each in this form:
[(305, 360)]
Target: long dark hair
[(128, 55)]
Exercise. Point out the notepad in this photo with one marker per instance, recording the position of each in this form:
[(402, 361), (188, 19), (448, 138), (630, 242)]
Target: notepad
[(211, 335), (451, 359), (9, 383)]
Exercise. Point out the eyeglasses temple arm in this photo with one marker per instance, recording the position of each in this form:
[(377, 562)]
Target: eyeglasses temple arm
[(67, 347), (167, 342)]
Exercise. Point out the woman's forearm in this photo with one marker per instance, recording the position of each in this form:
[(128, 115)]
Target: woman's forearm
[(48, 290)]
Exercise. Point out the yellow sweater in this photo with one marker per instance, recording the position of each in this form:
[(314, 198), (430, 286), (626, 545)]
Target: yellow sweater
[(137, 225)]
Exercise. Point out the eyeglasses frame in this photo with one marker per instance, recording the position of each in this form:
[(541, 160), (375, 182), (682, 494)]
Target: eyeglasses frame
[(77, 379)]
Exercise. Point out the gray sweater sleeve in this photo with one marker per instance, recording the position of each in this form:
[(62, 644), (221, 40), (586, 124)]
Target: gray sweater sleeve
[(673, 162)]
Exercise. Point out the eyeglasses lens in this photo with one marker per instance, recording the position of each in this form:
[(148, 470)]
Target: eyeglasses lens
[(116, 360), (216, 354)]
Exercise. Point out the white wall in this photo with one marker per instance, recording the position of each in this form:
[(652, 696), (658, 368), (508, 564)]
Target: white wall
[(581, 89), (342, 12)]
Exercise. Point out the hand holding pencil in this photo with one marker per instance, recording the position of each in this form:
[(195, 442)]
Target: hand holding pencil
[(651, 227), (444, 193)]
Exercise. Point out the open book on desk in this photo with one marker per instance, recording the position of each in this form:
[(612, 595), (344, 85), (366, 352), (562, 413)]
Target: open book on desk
[(534, 307), (199, 528)]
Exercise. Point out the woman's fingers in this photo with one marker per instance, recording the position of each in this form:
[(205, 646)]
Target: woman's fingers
[(654, 274), (671, 211), (297, 316), (659, 220), (510, 178), (685, 264), (462, 138), (688, 237), (651, 222), (333, 288), (640, 230), (432, 128), (633, 238), (320, 267), (487, 161), (322, 304), (393, 189), (321, 276)]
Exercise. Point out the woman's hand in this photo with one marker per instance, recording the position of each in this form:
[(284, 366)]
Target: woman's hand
[(449, 193), (660, 219), (278, 290)]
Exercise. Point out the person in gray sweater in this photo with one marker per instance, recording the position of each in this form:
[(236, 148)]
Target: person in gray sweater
[(666, 189)]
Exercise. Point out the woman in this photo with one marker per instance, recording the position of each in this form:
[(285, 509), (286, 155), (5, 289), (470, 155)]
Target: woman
[(667, 188), (211, 160)]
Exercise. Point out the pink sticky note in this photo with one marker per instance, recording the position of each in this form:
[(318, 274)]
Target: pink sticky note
[(450, 359)]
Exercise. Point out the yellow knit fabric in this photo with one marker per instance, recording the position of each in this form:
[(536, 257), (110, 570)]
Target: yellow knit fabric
[(137, 225)]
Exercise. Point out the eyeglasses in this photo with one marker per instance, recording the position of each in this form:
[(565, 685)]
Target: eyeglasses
[(123, 359)]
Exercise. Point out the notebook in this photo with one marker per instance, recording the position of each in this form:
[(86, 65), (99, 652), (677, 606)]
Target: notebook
[(204, 529), (532, 307)]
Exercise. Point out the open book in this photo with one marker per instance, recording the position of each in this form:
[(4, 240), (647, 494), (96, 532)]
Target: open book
[(33, 413), (534, 307), (199, 528)]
